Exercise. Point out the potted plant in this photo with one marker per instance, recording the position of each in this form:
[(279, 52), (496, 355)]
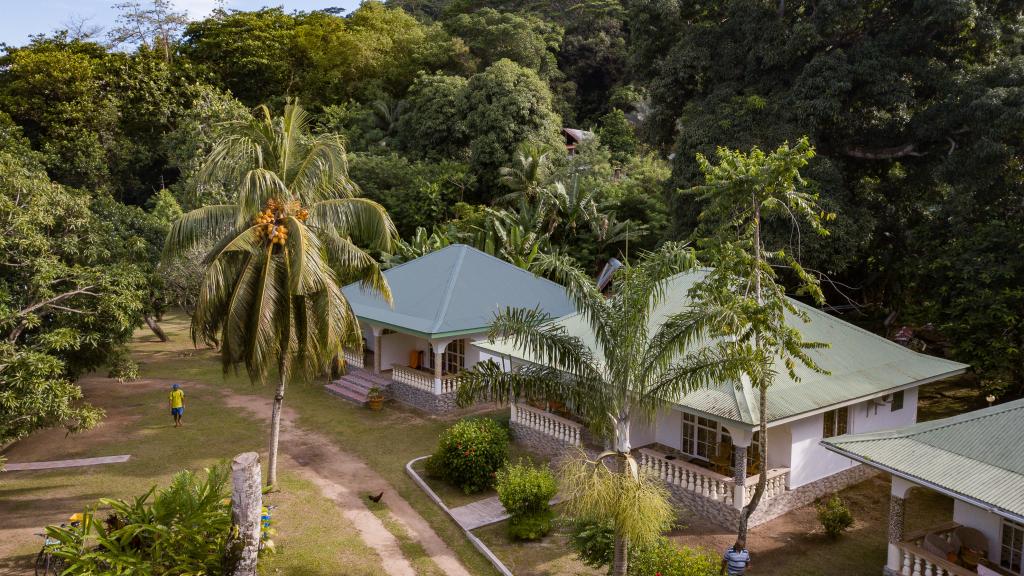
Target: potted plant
[(375, 398)]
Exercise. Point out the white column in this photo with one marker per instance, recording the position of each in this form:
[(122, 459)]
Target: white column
[(377, 352), (742, 437), (439, 347), (897, 506)]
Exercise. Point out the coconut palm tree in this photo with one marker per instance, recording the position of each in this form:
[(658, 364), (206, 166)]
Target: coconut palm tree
[(627, 372), (271, 293)]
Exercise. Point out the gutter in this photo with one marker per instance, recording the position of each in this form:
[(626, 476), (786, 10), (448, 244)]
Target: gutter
[(859, 399), (922, 482)]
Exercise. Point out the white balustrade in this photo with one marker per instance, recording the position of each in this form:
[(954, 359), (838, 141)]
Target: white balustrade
[(687, 476), (449, 383), (776, 484), (412, 377), (354, 358), (549, 424), (916, 561)]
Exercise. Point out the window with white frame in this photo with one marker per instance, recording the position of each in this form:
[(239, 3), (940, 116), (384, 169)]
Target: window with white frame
[(1012, 546), (453, 360), (700, 436), (837, 422), (897, 401)]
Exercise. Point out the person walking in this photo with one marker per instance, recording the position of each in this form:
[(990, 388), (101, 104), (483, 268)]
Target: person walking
[(736, 560), (177, 401)]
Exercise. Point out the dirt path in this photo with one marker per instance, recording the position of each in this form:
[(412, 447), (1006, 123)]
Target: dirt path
[(339, 475)]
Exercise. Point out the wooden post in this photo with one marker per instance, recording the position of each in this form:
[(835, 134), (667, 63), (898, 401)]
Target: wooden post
[(246, 509)]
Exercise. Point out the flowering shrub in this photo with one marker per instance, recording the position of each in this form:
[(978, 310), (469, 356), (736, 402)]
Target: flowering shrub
[(470, 453)]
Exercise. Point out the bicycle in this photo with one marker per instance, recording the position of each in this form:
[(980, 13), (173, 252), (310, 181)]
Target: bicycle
[(46, 563)]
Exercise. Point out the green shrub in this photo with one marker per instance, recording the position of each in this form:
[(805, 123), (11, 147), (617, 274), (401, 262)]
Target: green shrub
[(469, 454), (835, 517), (530, 526), (525, 490), (593, 542), (667, 559), (184, 529)]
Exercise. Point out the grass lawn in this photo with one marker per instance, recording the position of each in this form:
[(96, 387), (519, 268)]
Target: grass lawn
[(548, 556), (314, 538), (385, 440)]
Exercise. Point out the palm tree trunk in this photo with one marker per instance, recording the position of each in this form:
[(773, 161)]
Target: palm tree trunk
[(275, 431), (621, 562)]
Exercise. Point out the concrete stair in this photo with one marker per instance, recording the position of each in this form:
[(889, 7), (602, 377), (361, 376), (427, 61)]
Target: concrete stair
[(355, 386)]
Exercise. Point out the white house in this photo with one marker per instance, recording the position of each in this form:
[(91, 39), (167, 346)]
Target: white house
[(443, 301), (977, 459), (872, 385)]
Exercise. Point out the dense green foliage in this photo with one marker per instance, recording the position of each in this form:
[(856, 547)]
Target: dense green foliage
[(182, 529), (470, 453), (913, 110), (667, 559), (525, 491), (835, 516), (593, 543)]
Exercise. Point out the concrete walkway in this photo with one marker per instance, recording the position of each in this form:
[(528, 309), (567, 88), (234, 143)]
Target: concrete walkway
[(65, 463), (480, 513)]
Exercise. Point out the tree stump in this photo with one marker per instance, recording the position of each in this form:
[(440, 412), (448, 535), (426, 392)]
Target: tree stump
[(246, 509)]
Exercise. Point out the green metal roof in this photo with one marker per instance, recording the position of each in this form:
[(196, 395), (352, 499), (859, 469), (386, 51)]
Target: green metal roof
[(976, 455), (455, 291), (862, 365)]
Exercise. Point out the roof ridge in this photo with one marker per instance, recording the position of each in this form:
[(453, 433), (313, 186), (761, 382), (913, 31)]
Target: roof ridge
[(511, 265), (449, 289)]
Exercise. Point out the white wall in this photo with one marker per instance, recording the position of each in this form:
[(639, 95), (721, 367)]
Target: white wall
[(988, 523), (396, 347), (780, 446), (669, 429), (809, 461)]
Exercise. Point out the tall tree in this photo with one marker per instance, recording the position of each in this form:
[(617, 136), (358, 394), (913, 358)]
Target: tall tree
[(68, 302), (155, 25), (271, 296), (741, 305), (629, 372)]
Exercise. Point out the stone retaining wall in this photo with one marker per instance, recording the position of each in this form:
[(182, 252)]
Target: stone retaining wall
[(808, 493), (689, 502), (417, 398)]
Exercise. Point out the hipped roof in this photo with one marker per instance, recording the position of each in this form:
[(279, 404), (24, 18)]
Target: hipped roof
[(455, 291), (862, 365)]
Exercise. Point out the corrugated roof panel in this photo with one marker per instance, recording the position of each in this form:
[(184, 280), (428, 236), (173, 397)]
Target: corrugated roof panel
[(455, 289), (977, 454), (861, 364)]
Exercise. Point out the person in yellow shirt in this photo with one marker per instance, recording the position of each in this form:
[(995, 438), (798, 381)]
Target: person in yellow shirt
[(177, 400)]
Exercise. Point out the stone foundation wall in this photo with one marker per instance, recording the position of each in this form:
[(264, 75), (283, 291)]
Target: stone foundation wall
[(417, 398), (551, 447), (689, 502), (804, 495)]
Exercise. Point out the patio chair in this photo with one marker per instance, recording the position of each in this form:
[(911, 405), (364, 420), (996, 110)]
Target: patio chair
[(939, 546), (973, 545)]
